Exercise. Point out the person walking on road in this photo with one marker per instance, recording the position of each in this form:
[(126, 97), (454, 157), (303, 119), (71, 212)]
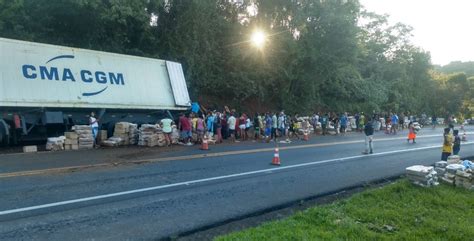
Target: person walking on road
[(357, 117), (411, 132), (94, 124), (394, 124), (291, 128), (369, 137), (434, 121), (456, 143), (447, 144)]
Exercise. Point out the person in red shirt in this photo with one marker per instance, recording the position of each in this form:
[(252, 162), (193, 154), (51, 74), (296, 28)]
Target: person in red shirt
[(185, 126)]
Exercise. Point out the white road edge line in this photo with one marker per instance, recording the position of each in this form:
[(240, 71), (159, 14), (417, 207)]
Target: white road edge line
[(62, 203)]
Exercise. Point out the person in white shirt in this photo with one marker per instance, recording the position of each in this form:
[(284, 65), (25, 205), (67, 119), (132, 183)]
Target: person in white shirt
[(231, 123), (281, 124), (94, 124), (314, 121), (166, 124)]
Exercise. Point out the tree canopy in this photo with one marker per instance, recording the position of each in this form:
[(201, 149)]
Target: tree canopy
[(319, 55)]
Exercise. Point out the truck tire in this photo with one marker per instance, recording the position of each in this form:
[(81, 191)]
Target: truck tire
[(4, 133), (110, 128)]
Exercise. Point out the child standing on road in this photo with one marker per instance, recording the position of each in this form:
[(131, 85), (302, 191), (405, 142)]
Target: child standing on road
[(411, 133), (447, 145), (457, 142)]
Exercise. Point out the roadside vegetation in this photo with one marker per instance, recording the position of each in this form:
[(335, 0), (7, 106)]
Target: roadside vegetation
[(319, 55), (399, 211)]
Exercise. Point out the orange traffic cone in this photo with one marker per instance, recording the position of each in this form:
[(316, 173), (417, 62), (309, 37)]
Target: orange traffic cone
[(305, 136), (205, 144), (276, 158)]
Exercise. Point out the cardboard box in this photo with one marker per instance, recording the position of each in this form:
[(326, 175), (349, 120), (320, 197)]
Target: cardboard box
[(71, 135), (71, 142)]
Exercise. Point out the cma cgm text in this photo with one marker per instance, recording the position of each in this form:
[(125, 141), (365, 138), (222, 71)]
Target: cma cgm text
[(87, 76)]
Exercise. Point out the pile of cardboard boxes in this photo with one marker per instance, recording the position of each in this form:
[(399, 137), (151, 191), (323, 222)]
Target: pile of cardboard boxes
[(465, 179), (85, 137), (151, 135), (422, 175), (122, 131), (72, 141)]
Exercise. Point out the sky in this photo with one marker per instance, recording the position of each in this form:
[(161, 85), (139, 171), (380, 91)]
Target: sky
[(442, 27)]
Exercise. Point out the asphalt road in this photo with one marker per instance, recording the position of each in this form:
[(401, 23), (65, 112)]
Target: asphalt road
[(172, 194)]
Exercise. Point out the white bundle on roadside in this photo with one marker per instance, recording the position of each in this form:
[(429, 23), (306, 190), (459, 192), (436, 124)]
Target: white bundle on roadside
[(440, 168), (465, 179), (450, 174), (55, 143), (424, 176), (454, 159)]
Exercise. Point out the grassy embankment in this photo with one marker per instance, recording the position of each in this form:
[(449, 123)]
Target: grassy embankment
[(399, 211)]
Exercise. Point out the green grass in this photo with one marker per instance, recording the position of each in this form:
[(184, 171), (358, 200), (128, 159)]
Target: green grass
[(399, 211)]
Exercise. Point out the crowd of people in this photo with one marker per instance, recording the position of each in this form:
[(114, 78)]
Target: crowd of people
[(269, 126), (272, 126)]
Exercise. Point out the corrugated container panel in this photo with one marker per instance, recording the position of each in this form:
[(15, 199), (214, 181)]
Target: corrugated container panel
[(178, 84), (41, 75)]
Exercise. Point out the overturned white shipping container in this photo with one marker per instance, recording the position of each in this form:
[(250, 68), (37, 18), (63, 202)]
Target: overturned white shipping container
[(64, 83)]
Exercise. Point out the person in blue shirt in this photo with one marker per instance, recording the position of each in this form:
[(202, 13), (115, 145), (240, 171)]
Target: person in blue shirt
[(324, 123), (394, 124), (343, 121), (210, 123)]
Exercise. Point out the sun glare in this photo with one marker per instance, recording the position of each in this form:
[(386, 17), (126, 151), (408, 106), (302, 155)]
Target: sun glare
[(258, 39)]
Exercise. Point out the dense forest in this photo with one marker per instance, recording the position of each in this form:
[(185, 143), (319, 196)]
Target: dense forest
[(319, 55), (456, 67)]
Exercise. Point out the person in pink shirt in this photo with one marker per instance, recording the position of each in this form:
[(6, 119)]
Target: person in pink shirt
[(200, 129)]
